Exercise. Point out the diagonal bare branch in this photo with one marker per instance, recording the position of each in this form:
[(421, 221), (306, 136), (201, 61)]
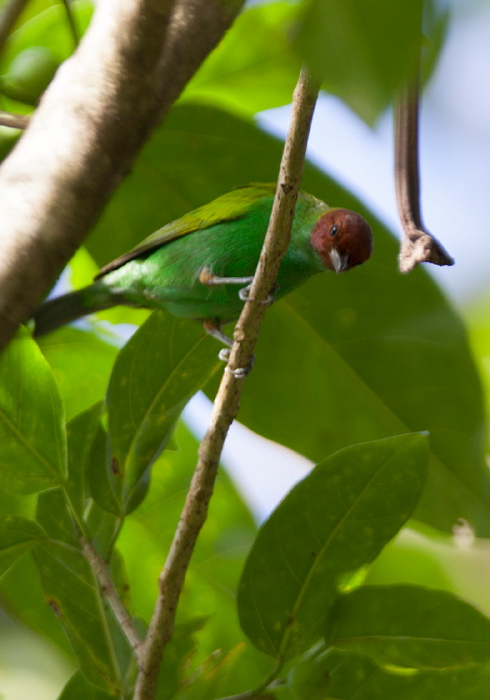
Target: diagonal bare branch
[(227, 400)]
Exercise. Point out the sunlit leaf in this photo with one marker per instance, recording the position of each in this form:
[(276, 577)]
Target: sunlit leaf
[(32, 434), (364, 51), (410, 626), (344, 676), (161, 367), (78, 688), (81, 363), (17, 536), (71, 592), (81, 433), (253, 68), (332, 523)]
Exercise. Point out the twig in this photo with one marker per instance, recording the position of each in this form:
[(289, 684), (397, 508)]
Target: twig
[(14, 121), (99, 567), (8, 17), (227, 400), (418, 245)]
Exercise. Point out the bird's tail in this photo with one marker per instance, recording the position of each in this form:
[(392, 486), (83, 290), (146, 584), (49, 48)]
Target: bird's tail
[(67, 308)]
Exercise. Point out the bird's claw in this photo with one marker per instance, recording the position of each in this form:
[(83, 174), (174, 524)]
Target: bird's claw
[(239, 372), (244, 295)]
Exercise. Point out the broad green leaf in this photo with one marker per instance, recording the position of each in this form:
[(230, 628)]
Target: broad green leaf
[(78, 688), (161, 367), (253, 68), (345, 676), (72, 593), (32, 434), (54, 515), (386, 350), (331, 524), (22, 595), (81, 432), (50, 29), (215, 567), (99, 478), (364, 51), (81, 363), (359, 353), (182, 646), (17, 536), (409, 626)]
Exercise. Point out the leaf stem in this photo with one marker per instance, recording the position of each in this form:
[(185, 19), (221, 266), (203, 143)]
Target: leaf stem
[(101, 570), (14, 121), (227, 399)]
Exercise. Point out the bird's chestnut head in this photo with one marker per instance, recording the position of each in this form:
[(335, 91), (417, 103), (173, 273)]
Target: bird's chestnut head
[(343, 239)]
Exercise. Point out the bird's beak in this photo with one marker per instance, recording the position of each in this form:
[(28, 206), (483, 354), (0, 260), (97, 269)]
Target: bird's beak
[(340, 262)]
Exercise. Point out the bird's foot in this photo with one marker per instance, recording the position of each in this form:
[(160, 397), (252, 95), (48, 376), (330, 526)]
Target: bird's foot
[(214, 330), (239, 372), (244, 295)]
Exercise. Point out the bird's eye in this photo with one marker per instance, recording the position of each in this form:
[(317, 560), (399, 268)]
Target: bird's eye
[(334, 230)]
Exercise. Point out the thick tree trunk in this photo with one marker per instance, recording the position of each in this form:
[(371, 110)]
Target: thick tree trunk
[(103, 104)]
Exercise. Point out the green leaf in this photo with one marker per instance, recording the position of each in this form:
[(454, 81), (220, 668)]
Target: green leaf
[(387, 351), (344, 676), (253, 68), (54, 515), (214, 571), (22, 595), (49, 29), (410, 626), (78, 688), (161, 367), (17, 536), (359, 352), (32, 435), (81, 363), (72, 593), (331, 524), (364, 51), (81, 433), (99, 478)]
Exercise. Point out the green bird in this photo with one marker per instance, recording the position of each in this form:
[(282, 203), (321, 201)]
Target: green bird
[(192, 266)]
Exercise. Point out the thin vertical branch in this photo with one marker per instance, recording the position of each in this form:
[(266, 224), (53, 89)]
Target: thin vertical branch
[(227, 400), (418, 245)]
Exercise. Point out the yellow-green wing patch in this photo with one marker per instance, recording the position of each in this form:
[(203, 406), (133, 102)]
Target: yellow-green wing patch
[(229, 207)]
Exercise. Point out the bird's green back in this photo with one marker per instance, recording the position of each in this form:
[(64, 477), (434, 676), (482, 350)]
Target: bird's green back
[(231, 206)]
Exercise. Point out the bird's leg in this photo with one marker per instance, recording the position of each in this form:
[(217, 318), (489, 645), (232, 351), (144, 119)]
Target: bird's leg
[(213, 329), (208, 279)]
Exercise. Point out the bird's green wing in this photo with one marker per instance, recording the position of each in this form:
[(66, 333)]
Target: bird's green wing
[(229, 207)]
